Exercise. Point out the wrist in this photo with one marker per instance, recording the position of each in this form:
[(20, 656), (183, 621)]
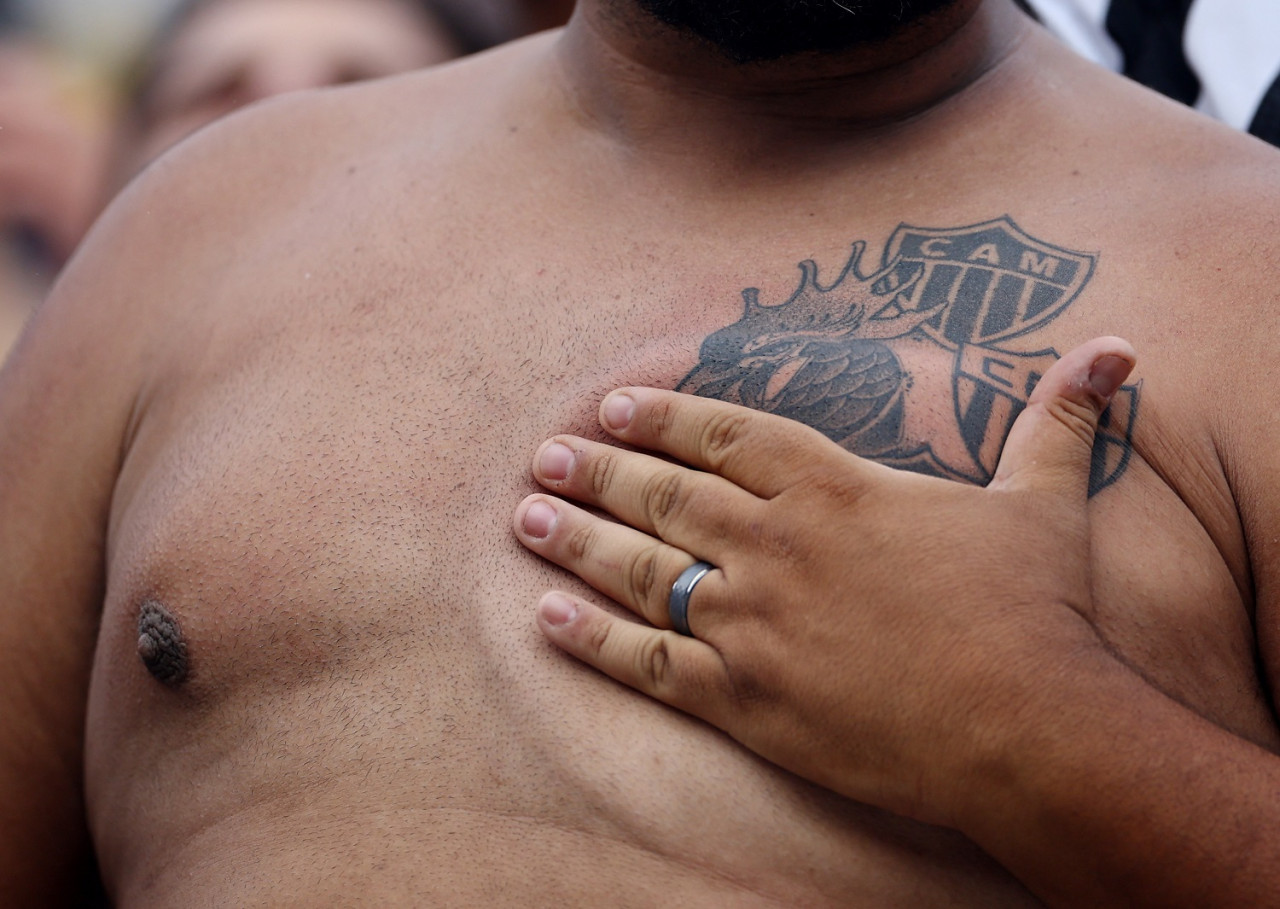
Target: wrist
[(1023, 728), (1063, 793)]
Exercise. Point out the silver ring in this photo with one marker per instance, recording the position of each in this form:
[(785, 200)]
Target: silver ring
[(681, 590)]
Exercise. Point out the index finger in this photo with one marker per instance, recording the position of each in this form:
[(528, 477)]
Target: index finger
[(762, 453)]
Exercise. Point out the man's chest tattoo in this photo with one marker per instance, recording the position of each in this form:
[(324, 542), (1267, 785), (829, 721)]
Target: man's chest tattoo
[(851, 357)]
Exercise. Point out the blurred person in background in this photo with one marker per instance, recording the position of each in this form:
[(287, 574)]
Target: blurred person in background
[(52, 139), (60, 160), (1221, 57), (211, 57)]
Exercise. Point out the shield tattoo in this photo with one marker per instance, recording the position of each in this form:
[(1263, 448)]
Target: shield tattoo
[(988, 282), (1113, 445), (863, 357), (991, 388)]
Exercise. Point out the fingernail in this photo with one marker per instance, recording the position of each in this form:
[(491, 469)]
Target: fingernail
[(557, 610), (539, 520), (618, 410), (1107, 374), (556, 462)]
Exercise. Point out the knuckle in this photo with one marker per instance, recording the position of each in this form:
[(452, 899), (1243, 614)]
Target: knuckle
[(659, 418), (746, 691), (598, 638), (1078, 417), (639, 576), (722, 437), (600, 473), (663, 496), (653, 661), (752, 682), (784, 545), (578, 543), (838, 490)]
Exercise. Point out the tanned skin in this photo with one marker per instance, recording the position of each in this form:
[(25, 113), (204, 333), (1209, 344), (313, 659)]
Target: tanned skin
[(269, 630)]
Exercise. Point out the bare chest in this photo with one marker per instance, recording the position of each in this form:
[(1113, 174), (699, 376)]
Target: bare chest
[(319, 492), (350, 421)]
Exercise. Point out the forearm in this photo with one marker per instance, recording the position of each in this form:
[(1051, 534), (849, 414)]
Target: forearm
[(1110, 793)]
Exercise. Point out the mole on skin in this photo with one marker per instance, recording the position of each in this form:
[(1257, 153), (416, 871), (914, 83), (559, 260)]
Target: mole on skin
[(160, 644)]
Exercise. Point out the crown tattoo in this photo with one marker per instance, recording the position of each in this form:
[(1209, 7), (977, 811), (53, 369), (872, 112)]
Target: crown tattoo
[(871, 306)]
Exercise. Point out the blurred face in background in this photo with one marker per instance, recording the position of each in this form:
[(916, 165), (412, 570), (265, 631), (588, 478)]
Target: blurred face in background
[(229, 53)]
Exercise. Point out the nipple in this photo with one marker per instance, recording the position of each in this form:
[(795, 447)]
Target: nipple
[(160, 644)]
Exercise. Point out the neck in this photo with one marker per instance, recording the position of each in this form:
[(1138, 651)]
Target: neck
[(647, 83)]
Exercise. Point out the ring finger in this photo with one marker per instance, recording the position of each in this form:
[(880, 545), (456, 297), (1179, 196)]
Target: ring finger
[(624, 564)]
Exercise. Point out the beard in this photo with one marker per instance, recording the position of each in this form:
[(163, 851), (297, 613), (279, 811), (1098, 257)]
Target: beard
[(752, 31)]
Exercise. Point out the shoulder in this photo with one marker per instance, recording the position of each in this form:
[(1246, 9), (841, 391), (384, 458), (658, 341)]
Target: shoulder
[(252, 179), (1186, 216), (282, 142), (1199, 199), (232, 202)]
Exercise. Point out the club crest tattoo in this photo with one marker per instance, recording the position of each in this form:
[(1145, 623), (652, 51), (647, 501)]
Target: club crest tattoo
[(846, 356)]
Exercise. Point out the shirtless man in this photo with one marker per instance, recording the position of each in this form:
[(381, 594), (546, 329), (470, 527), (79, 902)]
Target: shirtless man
[(265, 622)]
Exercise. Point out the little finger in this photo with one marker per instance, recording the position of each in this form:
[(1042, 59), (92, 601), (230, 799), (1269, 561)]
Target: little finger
[(680, 671)]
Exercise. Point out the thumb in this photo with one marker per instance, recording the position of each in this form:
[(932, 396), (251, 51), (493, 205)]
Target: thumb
[(1051, 444)]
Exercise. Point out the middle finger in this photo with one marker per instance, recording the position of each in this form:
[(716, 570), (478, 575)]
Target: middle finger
[(699, 512)]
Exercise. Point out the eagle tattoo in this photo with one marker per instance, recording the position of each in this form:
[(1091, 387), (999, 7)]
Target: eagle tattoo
[(818, 358)]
